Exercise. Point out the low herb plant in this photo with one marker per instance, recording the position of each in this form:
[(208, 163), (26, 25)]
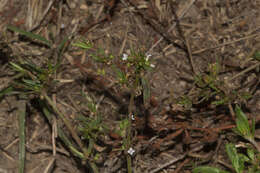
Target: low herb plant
[(249, 162), (130, 71), (35, 82), (208, 87)]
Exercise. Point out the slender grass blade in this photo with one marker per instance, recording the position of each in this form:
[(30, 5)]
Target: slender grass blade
[(30, 35)]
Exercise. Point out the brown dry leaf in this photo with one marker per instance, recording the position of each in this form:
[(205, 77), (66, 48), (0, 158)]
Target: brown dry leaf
[(99, 148), (153, 101), (114, 135)]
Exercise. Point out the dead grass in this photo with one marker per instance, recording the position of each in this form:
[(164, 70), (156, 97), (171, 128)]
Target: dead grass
[(184, 37)]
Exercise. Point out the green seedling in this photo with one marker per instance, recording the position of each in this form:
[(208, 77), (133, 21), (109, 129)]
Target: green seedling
[(133, 76), (92, 127), (121, 76), (244, 129), (238, 160), (30, 79), (185, 101), (210, 87)]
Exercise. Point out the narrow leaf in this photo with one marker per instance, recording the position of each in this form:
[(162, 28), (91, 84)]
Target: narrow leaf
[(242, 123), (207, 169), (257, 55), (21, 114), (233, 156), (30, 35), (5, 91), (17, 67)]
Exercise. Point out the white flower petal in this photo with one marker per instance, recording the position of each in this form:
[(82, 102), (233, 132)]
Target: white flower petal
[(125, 56), (152, 65), (131, 151), (148, 57)]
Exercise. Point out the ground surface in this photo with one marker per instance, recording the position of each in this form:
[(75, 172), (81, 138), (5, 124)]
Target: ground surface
[(166, 135)]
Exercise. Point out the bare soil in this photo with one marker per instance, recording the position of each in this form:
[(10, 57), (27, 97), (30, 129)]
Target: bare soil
[(183, 37)]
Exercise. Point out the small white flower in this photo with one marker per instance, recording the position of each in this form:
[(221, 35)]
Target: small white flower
[(125, 56), (131, 151), (152, 65), (132, 117), (148, 57)]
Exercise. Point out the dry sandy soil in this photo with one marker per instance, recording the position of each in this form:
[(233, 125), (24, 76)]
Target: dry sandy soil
[(185, 38)]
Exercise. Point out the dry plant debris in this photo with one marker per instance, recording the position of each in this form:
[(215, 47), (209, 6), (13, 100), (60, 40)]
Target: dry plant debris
[(203, 58)]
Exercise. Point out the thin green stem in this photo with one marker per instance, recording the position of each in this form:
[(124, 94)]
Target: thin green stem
[(21, 114), (129, 129)]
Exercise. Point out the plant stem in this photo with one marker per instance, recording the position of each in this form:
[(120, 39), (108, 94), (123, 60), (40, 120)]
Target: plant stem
[(21, 114), (61, 134), (68, 125), (129, 129), (72, 131)]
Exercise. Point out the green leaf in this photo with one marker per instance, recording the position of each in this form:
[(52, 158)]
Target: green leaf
[(92, 107), (251, 153), (17, 67), (234, 157), (207, 169), (30, 35), (62, 45), (6, 91), (31, 82), (83, 45), (33, 68), (257, 55), (242, 160), (242, 124), (121, 75)]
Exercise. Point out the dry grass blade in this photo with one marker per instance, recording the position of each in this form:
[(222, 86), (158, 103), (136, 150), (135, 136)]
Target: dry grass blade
[(34, 12), (182, 13), (168, 163), (227, 43)]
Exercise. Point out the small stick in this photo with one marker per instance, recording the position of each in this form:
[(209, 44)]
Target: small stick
[(168, 163), (50, 165), (43, 15), (232, 111), (227, 43), (181, 165), (244, 71), (190, 55)]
